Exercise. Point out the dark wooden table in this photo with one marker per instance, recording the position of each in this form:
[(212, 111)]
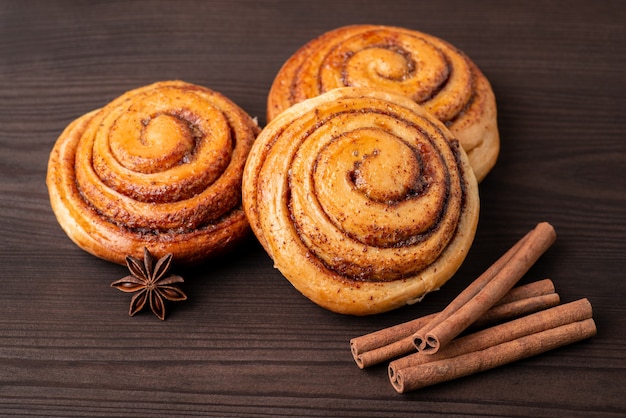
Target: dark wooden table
[(246, 343)]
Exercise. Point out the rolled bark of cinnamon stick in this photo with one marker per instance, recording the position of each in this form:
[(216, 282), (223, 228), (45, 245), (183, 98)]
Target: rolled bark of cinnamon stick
[(388, 343), (540, 321), (485, 291), (530, 290), (517, 308), (412, 378)]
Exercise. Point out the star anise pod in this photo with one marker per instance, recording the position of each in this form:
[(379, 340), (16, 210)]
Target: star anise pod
[(150, 282)]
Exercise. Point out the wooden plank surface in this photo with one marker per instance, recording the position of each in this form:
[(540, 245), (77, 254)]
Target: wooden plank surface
[(246, 343)]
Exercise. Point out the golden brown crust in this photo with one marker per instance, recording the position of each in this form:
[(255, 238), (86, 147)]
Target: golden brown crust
[(364, 200), (425, 68), (158, 167)]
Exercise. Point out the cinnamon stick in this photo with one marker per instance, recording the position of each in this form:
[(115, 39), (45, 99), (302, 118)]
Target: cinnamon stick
[(485, 291), (521, 327), (412, 378), (388, 343), (517, 308)]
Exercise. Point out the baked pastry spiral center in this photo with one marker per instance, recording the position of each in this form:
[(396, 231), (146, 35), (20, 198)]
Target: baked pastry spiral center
[(340, 181), (166, 139), (385, 169), (159, 148), (370, 183), (405, 65), (390, 63), (401, 63)]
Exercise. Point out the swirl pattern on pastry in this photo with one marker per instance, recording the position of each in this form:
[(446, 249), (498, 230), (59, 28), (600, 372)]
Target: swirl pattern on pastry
[(364, 201), (427, 69), (158, 167)]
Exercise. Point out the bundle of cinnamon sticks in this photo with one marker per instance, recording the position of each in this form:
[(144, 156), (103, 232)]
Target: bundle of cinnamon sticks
[(428, 350)]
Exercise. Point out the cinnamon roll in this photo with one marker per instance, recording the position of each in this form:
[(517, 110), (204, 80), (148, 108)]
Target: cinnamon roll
[(364, 201), (422, 67), (159, 167)]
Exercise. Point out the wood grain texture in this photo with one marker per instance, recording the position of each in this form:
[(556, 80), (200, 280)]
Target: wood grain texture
[(246, 343)]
